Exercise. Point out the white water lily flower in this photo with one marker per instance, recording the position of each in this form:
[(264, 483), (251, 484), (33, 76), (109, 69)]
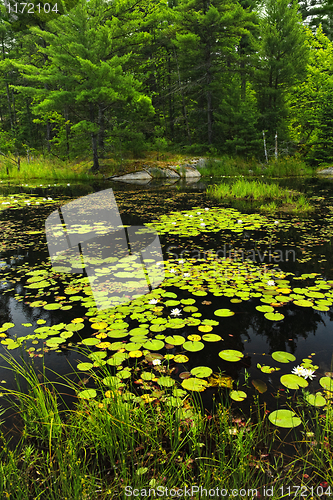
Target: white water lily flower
[(156, 362), (174, 223), (68, 184), (239, 221), (206, 209), (172, 270), (190, 215), (202, 224), (181, 261), (185, 215), (298, 370), (153, 301), (49, 198), (270, 283), (199, 213), (176, 312), (186, 275), (276, 222), (308, 373)]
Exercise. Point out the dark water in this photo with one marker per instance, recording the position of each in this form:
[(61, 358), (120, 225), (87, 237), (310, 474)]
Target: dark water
[(302, 332)]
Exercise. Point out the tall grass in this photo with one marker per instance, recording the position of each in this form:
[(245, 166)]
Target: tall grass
[(234, 166), (97, 448), (282, 199), (43, 169)]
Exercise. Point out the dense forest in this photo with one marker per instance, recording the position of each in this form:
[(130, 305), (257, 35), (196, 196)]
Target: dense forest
[(101, 78)]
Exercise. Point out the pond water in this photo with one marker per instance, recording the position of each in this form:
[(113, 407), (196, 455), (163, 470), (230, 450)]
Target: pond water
[(222, 267)]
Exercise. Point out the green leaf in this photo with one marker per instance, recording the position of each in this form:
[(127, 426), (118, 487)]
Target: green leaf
[(84, 366), (293, 381), (283, 357), (193, 346), (211, 337), (201, 371), (166, 381), (231, 355), (326, 383), (274, 316), (87, 394), (315, 399), (259, 385), (238, 395), (153, 345), (224, 313), (175, 340), (194, 384), (284, 418)]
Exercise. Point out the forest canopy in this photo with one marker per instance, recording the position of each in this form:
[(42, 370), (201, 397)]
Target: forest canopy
[(99, 77)]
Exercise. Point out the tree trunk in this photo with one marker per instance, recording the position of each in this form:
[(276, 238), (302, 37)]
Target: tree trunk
[(183, 102), (94, 142), (101, 133)]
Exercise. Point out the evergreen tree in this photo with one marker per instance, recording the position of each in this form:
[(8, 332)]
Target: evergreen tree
[(282, 60)]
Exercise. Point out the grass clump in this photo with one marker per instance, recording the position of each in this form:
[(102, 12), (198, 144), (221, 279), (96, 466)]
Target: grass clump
[(40, 168), (289, 166), (106, 447), (280, 199)]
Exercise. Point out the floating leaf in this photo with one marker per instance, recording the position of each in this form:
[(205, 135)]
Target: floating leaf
[(84, 366), (211, 337), (205, 328), (194, 384), (166, 381), (259, 385), (326, 383), (224, 313), (90, 341), (193, 346), (201, 371), (303, 303), (194, 337), (283, 357), (267, 369), (274, 316), (315, 399), (52, 307), (100, 325), (293, 381), (238, 395), (181, 358), (154, 345), (284, 418), (231, 355), (147, 376), (87, 394), (265, 309), (175, 340)]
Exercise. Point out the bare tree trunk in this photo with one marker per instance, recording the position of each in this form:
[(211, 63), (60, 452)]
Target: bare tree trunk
[(265, 149), (183, 102), (94, 142), (101, 133)]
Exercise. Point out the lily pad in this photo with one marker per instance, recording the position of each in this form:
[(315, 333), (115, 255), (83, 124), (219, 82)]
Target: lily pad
[(211, 337), (259, 385), (193, 346), (201, 371), (293, 381), (238, 395), (284, 418), (315, 399), (194, 384), (231, 355), (175, 340), (283, 357), (274, 316), (87, 394), (166, 381), (326, 383), (224, 313), (84, 366)]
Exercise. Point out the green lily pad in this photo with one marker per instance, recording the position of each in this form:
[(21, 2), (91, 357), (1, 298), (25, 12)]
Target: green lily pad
[(326, 383), (84, 366), (180, 358), (315, 399), (87, 394), (283, 357), (153, 345), (90, 341), (284, 418), (238, 395), (52, 307), (231, 355), (166, 381), (293, 381), (195, 384), (211, 337), (274, 316), (147, 375), (303, 303), (265, 309), (175, 339), (193, 346), (224, 313), (201, 371)]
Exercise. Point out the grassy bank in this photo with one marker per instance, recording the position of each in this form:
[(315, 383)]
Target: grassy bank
[(282, 167), (103, 449), (42, 168), (257, 191)]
